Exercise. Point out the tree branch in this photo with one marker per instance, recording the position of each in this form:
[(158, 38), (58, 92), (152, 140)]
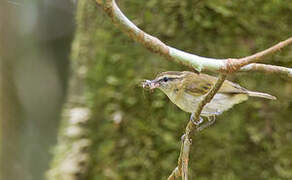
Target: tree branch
[(182, 168), (229, 65), (258, 56), (266, 68)]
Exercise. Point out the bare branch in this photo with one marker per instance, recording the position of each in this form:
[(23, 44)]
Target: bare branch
[(266, 68), (258, 56), (199, 63), (174, 175), (235, 64), (229, 65), (182, 168)]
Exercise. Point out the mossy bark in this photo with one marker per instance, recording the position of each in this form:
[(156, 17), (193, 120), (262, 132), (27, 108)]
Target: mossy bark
[(72, 153), (126, 133)]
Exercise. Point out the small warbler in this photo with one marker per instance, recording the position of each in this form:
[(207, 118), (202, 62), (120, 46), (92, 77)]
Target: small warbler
[(186, 89)]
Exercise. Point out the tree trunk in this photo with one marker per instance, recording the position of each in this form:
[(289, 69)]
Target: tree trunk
[(72, 159)]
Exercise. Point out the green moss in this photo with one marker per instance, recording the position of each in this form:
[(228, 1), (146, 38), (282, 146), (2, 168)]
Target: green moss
[(136, 134)]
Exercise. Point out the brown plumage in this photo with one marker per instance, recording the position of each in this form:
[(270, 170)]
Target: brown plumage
[(186, 89)]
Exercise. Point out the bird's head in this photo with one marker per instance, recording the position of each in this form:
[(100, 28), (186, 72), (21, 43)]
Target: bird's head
[(166, 81)]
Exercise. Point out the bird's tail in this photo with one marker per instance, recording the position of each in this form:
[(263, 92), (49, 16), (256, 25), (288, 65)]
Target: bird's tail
[(261, 95)]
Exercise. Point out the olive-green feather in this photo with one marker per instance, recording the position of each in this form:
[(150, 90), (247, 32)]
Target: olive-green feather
[(202, 83)]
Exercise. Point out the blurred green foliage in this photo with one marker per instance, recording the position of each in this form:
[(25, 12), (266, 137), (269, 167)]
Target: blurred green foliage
[(137, 133)]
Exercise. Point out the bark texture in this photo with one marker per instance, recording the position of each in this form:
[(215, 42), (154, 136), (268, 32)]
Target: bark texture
[(72, 153)]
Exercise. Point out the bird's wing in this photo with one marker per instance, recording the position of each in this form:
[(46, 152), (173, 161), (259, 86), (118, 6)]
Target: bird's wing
[(230, 87), (197, 85), (227, 87), (203, 83)]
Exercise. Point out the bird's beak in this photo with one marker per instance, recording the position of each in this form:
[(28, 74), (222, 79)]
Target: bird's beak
[(151, 84)]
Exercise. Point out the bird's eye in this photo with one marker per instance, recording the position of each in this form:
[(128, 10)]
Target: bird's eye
[(165, 79)]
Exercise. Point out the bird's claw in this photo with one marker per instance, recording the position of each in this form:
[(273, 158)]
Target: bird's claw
[(211, 120), (200, 126), (197, 123)]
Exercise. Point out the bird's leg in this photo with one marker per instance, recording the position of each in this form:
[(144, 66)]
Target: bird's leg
[(211, 120), (197, 123)]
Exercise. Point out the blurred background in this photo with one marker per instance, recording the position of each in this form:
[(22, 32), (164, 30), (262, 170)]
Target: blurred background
[(135, 133), (34, 52)]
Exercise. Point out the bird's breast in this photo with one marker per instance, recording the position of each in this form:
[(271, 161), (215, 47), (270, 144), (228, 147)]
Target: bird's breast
[(184, 101)]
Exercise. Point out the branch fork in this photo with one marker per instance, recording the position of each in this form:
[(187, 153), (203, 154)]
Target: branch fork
[(229, 65), (222, 66)]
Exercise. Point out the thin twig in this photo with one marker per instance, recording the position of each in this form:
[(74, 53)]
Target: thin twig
[(267, 68), (182, 168), (233, 65), (229, 65), (258, 56)]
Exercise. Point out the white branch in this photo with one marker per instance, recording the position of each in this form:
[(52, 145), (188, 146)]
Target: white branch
[(199, 63)]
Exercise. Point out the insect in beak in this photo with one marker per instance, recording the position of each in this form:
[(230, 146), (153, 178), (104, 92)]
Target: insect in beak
[(150, 84)]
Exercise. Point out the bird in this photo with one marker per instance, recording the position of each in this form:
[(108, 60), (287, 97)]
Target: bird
[(186, 89)]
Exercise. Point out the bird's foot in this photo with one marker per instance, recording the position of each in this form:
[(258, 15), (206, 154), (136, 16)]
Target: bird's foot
[(211, 120), (197, 123)]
